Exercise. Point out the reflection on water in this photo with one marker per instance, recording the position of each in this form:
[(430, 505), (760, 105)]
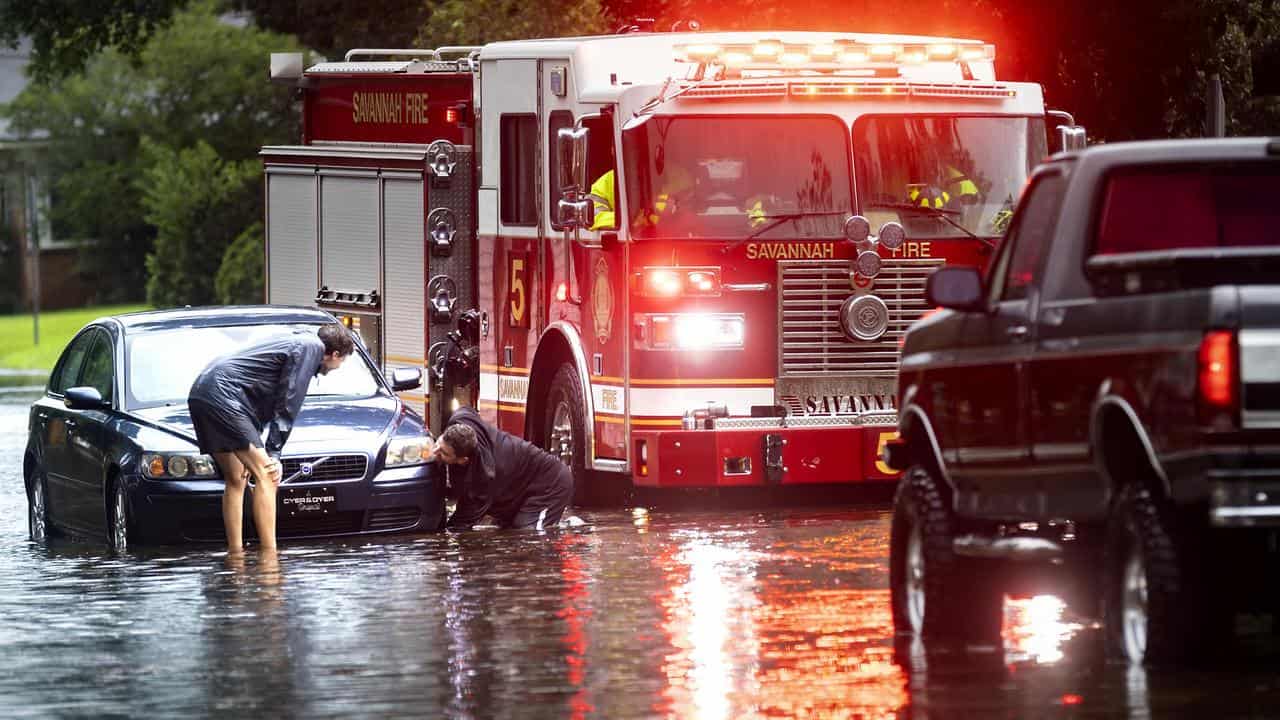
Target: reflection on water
[(1035, 629), (640, 614)]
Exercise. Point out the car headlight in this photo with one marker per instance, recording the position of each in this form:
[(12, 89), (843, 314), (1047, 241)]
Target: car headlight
[(406, 451), (178, 465)]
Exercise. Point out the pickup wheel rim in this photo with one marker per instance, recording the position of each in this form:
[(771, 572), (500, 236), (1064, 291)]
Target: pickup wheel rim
[(915, 579), (1134, 606), (561, 444), (37, 525), (120, 521)]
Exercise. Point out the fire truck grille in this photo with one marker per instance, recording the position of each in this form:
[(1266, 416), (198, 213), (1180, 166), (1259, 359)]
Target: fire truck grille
[(809, 309)]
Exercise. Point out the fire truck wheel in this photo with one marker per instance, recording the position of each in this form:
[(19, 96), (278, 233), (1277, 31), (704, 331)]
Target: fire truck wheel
[(935, 593), (564, 427)]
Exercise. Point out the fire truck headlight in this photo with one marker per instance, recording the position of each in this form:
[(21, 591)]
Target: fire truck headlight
[(691, 331), (698, 331)]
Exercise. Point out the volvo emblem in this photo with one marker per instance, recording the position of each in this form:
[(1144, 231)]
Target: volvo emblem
[(306, 469)]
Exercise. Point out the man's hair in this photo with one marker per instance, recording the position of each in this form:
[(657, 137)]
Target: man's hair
[(461, 438), (336, 339)]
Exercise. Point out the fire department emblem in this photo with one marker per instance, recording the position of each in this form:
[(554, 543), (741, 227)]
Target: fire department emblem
[(602, 301)]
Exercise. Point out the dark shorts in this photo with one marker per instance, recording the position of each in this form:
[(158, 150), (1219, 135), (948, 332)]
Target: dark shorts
[(223, 428), (544, 509)]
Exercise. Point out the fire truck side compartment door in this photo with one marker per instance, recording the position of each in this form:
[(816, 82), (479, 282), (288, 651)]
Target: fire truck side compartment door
[(350, 256), (291, 235), (403, 273)]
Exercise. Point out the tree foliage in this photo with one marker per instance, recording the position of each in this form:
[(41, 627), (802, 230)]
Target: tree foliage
[(240, 277), (198, 80), (474, 22), (198, 204), (65, 34), (331, 27)]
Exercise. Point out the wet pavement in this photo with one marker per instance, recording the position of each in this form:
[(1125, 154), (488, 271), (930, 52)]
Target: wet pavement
[(713, 614)]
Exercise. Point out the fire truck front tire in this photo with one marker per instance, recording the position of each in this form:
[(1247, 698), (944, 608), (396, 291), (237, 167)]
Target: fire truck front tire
[(564, 427)]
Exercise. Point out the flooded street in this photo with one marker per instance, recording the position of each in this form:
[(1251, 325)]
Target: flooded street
[(684, 614)]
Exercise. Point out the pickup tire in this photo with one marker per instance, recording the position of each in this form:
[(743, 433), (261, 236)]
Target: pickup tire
[(1159, 603), (935, 593)]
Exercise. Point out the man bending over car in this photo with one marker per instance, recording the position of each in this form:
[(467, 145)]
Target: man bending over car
[(516, 482), (240, 394)]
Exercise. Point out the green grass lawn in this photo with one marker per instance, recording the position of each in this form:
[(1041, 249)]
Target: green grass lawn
[(18, 352)]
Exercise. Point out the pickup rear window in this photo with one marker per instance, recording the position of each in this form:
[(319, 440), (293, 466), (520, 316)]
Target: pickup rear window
[(1190, 207)]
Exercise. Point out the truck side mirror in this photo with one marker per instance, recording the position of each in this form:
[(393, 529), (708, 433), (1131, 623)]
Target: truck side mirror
[(1072, 137), (574, 210), (956, 288)]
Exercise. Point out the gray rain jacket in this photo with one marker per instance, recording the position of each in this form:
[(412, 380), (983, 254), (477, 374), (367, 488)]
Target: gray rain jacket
[(268, 381)]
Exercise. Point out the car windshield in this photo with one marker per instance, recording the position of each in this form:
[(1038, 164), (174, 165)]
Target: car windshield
[(162, 364), (732, 177), (934, 173)]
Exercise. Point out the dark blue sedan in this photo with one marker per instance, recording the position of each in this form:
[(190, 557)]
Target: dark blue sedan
[(111, 451)]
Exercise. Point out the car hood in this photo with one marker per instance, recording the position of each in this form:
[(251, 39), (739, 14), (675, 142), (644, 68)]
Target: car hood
[(323, 425)]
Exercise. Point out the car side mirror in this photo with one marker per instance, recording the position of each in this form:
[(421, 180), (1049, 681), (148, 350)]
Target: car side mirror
[(957, 288), (406, 379), (84, 398)]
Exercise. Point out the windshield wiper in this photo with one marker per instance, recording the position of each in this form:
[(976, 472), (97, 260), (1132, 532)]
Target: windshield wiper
[(776, 220), (942, 214)]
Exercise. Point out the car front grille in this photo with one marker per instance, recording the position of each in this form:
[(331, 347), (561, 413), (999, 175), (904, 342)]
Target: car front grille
[(393, 518), (812, 342), (336, 467)]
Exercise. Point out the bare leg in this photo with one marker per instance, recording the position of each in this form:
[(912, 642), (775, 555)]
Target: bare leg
[(232, 499), (260, 465)]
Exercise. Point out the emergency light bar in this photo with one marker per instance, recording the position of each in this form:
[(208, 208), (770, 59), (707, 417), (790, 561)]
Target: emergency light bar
[(848, 89), (832, 56)]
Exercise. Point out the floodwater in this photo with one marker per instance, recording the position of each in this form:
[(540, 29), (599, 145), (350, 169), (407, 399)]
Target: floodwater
[(710, 614)]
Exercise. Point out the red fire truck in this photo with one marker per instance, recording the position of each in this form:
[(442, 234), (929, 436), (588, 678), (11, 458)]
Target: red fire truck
[(692, 255)]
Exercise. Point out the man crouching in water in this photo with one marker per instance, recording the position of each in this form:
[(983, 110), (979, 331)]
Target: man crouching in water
[(516, 482)]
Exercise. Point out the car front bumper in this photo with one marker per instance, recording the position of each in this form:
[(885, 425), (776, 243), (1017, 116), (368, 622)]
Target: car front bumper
[(399, 500)]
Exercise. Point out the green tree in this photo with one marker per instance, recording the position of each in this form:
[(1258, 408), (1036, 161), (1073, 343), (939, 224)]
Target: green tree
[(240, 278), (331, 27), (198, 204), (65, 34), (197, 80), (474, 22)]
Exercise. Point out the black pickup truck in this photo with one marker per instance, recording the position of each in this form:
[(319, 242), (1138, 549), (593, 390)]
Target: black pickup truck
[(1103, 404)]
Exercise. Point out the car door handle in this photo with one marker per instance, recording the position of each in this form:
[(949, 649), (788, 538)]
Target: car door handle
[(1016, 332)]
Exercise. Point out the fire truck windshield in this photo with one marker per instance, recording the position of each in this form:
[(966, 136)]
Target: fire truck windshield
[(939, 174), (732, 177)]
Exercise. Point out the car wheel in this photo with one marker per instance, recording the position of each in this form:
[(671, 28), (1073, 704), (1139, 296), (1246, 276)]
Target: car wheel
[(37, 509), (935, 593), (1159, 605), (119, 524), (564, 428)]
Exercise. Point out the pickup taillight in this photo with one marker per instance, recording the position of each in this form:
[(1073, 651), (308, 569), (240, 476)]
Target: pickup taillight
[(1219, 380)]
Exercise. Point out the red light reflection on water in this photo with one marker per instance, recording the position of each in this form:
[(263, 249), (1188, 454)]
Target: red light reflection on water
[(775, 634), (575, 613)]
